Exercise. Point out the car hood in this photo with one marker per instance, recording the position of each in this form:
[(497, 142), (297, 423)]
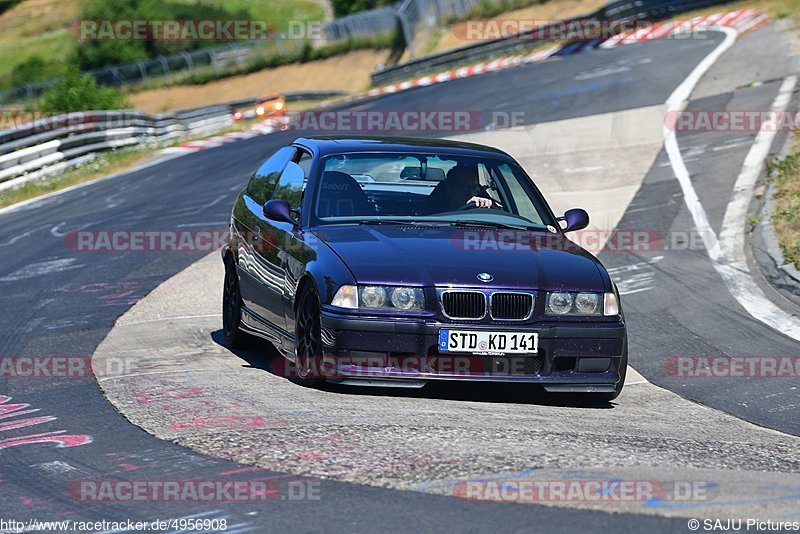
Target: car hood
[(447, 255)]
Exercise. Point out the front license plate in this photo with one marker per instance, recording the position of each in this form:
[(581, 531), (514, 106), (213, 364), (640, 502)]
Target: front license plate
[(484, 341)]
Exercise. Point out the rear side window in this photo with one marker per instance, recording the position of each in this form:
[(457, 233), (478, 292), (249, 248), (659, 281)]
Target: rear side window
[(262, 184), (305, 161)]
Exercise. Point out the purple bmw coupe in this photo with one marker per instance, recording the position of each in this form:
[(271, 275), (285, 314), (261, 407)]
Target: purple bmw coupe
[(388, 261)]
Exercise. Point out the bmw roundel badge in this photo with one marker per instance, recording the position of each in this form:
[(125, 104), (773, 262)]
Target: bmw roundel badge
[(485, 277)]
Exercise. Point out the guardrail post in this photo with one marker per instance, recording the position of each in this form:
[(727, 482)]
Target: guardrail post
[(189, 62), (165, 64), (212, 55)]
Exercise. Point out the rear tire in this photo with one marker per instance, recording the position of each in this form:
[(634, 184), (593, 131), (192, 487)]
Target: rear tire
[(308, 343)]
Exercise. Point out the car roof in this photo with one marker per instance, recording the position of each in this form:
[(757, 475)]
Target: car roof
[(341, 145)]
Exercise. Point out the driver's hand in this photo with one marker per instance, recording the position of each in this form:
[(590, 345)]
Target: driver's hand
[(480, 202)]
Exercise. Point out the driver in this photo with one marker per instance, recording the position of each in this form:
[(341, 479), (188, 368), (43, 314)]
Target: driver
[(459, 188)]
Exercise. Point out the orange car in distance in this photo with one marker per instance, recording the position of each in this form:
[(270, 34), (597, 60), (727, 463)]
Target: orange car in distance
[(270, 106), (265, 107)]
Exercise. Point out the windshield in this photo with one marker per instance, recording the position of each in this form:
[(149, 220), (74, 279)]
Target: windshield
[(409, 188)]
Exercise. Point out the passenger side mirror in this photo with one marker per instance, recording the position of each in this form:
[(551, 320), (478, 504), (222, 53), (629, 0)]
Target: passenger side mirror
[(279, 210), (576, 219)]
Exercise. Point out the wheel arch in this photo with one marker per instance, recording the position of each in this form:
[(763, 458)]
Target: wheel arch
[(307, 280)]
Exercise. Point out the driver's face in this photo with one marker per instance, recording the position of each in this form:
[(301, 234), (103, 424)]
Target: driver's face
[(467, 178)]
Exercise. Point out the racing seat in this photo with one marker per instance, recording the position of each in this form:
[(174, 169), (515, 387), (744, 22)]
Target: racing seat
[(340, 195)]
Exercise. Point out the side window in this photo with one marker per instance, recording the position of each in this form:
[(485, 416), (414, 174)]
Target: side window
[(523, 204), (262, 184), (291, 185)]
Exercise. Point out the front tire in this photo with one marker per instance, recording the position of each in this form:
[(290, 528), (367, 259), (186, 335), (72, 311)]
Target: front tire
[(308, 343), (232, 308)]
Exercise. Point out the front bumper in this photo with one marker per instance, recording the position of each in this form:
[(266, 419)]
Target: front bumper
[(574, 357)]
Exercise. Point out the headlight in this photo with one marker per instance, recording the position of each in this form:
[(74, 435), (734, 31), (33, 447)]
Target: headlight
[(373, 296), (407, 298), (380, 297), (260, 110), (559, 303), (587, 304)]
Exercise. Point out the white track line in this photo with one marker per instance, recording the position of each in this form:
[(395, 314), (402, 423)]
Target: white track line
[(727, 253), (675, 103), (732, 262)]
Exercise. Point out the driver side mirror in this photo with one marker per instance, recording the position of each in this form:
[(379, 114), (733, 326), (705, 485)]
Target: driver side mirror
[(279, 210), (576, 219)]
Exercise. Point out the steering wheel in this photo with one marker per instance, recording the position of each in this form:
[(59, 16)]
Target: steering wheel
[(469, 206), (472, 205)]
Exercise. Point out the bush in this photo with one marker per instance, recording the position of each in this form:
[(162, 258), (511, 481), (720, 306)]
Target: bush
[(29, 71), (80, 92)]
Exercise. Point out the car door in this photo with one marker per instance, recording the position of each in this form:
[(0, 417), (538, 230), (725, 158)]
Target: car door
[(290, 187), (260, 267), (297, 251)]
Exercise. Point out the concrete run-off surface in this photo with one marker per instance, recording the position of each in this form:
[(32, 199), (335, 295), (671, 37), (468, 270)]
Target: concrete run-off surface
[(180, 385)]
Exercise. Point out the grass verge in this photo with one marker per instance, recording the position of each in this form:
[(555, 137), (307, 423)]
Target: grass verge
[(785, 174)]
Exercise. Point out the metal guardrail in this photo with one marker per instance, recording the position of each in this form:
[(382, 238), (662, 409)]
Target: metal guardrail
[(291, 96), (615, 11), (51, 145)]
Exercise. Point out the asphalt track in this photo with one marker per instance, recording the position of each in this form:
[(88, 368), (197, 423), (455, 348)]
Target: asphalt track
[(58, 302)]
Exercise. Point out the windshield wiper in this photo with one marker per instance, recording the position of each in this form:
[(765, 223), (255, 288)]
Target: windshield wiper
[(401, 221), (491, 224), (460, 223)]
